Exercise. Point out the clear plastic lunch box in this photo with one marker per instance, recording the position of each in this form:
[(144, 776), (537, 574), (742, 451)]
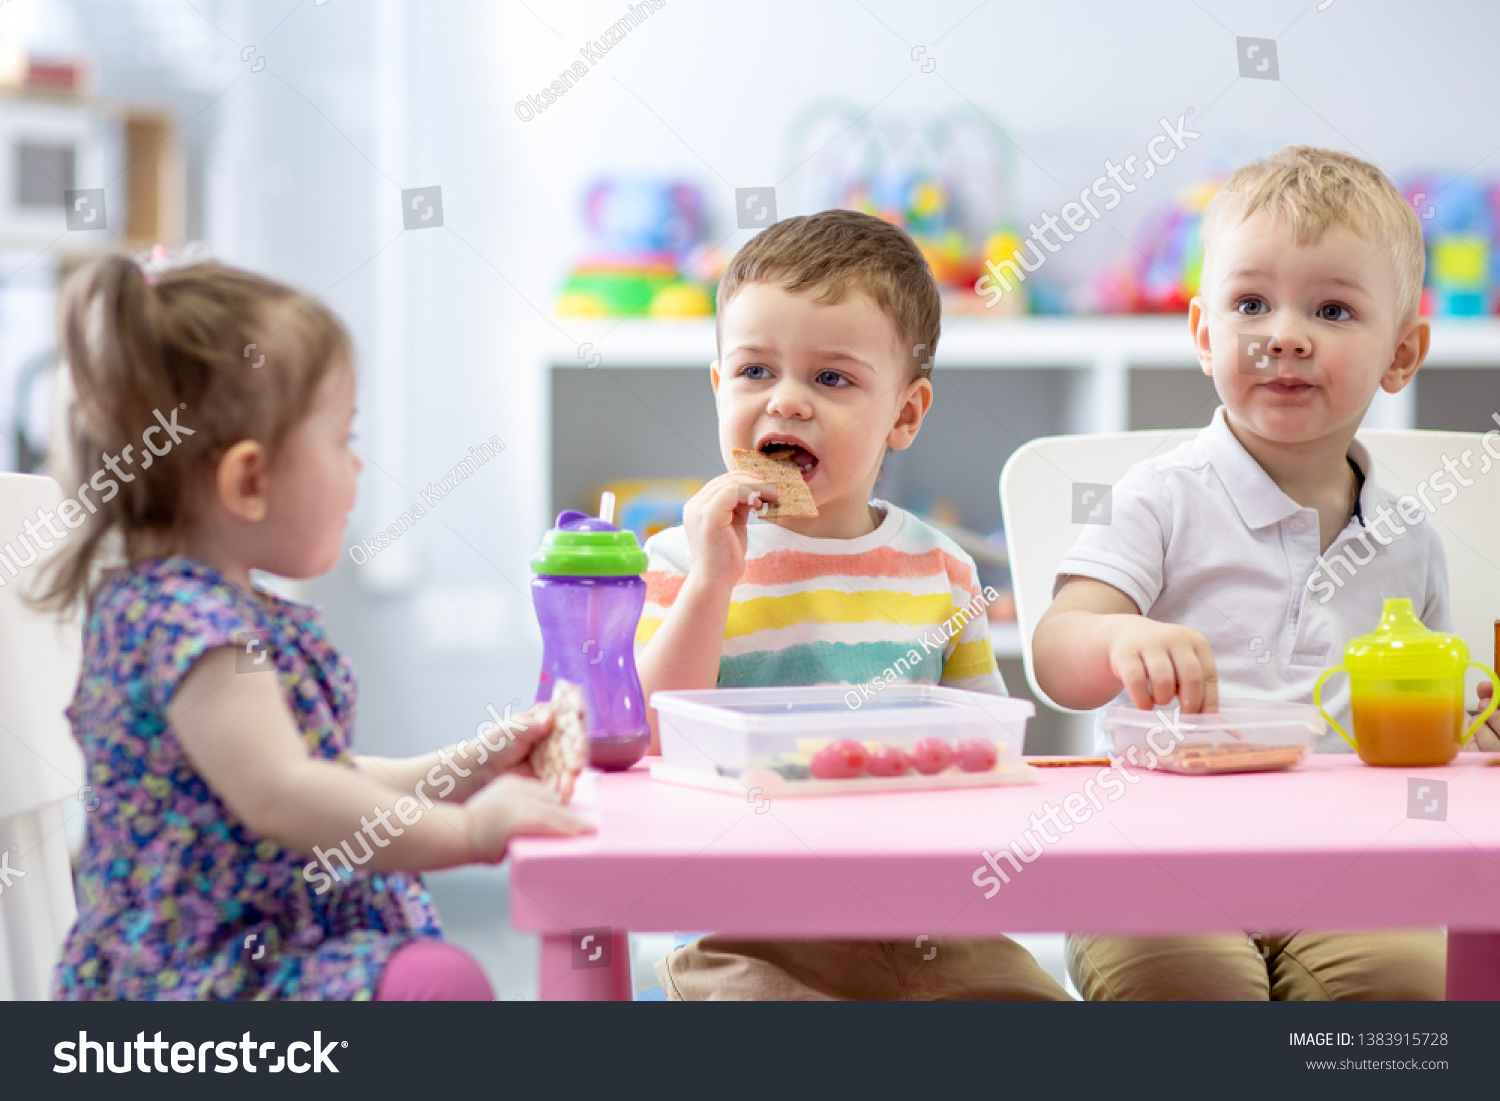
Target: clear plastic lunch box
[(1244, 736), (727, 731)]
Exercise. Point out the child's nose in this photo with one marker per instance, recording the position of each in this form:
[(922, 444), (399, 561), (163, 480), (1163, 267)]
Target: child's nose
[(1291, 341), (789, 400)]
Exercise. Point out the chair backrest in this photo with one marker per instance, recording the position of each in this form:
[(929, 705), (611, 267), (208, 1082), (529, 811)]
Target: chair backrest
[(1036, 496), (39, 657)]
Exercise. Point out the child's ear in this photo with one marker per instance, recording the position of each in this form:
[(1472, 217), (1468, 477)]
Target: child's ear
[(241, 481), (713, 373), (1411, 350), (1198, 323), (914, 406)]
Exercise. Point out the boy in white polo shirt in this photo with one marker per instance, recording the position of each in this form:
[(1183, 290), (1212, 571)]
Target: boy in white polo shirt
[(1243, 561)]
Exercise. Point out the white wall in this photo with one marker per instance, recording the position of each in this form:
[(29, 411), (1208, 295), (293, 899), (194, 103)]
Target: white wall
[(362, 99)]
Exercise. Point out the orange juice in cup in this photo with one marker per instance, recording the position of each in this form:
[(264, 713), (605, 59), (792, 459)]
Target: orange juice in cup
[(1406, 689)]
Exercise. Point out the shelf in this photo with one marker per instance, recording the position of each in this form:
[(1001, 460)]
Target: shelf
[(1030, 342)]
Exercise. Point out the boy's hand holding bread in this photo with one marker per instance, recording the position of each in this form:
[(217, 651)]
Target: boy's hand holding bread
[(715, 519)]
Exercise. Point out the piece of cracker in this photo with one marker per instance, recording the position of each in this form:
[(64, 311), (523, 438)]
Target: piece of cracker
[(559, 757), (793, 499)]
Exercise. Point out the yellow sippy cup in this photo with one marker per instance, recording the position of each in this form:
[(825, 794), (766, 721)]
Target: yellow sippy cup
[(1406, 686)]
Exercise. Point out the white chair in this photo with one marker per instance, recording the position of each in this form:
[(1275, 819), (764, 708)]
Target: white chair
[(41, 768), (1036, 498)]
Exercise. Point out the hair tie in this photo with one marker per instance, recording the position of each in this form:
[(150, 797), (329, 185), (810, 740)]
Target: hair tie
[(153, 263), (160, 259)]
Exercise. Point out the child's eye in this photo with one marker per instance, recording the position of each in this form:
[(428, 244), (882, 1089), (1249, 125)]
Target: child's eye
[(1332, 311), (831, 378), (1251, 307), (755, 372)]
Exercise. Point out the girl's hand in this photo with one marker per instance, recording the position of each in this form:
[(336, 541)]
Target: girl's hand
[(715, 520), (515, 806), (516, 737)]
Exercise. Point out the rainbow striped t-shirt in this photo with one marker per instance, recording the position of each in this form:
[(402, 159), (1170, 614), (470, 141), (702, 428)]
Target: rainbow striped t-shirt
[(902, 604)]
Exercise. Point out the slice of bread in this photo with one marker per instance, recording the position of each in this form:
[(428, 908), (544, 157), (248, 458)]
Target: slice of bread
[(559, 757), (794, 500)]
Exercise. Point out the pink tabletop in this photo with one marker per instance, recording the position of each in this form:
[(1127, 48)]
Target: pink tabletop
[(1330, 846)]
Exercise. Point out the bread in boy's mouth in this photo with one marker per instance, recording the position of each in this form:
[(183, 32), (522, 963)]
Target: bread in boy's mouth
[(794, 500)]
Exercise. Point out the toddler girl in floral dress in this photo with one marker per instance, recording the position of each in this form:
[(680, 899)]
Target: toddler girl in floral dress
[(240, 848)]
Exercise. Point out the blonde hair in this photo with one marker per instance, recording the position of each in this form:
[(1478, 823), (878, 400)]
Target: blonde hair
[(237, 354), (1313, 190), (836, 251)]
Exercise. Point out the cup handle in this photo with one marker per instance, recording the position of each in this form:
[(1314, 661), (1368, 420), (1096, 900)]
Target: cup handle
[(1494, 699), (1318, 703)]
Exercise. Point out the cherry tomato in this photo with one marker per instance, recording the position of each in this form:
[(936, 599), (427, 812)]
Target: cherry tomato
[(931, 756), (889, 760), (977, 756), (840, 761)]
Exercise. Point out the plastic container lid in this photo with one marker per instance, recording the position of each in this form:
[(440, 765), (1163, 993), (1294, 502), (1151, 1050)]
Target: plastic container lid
[(1266, 721), (1243, 736), (581, 545), (1401, 648), (726, 730)]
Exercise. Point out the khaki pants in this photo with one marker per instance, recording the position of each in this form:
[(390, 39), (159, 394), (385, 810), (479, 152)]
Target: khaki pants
[(1315, 967), (722, 969)]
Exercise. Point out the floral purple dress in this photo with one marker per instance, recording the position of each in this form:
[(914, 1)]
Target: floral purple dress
[(178, 899)]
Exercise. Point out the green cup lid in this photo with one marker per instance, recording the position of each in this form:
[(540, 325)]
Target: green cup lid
[(581, 545), (1402, 647)]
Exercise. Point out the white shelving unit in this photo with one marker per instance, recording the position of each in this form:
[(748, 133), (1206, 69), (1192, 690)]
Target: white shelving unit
[(1100, 343), (645, 408)]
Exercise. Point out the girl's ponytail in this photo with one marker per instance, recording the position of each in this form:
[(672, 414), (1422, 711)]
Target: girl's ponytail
[(163, 386)]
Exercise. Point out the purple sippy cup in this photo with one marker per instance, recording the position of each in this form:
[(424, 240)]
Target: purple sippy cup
[(589, 594)]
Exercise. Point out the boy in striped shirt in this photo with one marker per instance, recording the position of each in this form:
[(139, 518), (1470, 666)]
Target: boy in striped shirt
[(827, 326)]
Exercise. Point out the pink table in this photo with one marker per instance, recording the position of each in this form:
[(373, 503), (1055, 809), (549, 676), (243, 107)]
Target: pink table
[(1328, 846)]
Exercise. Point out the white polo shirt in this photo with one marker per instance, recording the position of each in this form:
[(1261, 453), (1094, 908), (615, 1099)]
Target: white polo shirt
[(1201, 536)]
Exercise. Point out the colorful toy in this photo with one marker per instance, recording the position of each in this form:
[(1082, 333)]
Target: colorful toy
[(1459, 223), (1166, 264), (650, 260), (948, 182)]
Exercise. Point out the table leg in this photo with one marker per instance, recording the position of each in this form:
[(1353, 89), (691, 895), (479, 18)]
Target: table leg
[(607, 980), (1473, 967)]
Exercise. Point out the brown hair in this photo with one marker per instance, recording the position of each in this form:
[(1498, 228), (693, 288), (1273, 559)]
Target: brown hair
[(190, 346), (1314, 189), (836, 251)]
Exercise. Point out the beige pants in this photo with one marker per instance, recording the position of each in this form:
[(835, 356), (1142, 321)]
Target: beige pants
[(1314, 967), (722, 969)]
